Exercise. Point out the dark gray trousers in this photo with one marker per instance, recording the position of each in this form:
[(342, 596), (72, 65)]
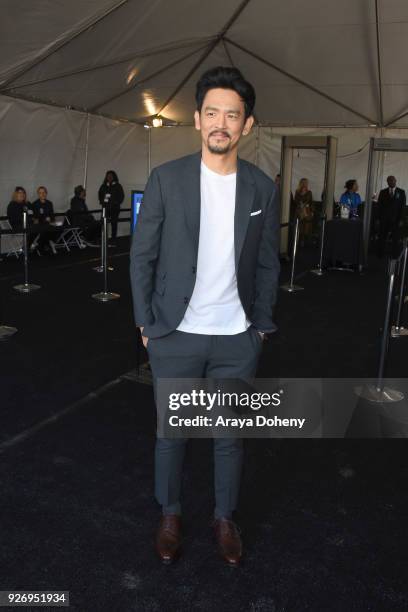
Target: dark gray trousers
[(185, 355)]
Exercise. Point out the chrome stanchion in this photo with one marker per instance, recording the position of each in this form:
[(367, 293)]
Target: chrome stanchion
[(101, 268), (319, 270), (6, 332), (26, 287), (290, 287), (105, 295), (397, 330), (378, 393)]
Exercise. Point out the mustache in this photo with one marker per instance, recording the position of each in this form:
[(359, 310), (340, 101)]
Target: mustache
[(220, 132)]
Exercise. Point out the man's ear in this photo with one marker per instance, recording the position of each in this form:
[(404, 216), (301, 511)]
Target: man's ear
[(197, 122), (248, 125)]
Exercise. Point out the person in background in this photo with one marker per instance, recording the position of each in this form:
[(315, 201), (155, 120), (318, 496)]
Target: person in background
[(351, 198), (391, 204), (81, 217), (304, 209), (111, 196), (16, 208), (43, 216)]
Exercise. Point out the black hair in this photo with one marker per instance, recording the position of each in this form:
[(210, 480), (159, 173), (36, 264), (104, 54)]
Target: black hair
[(225, 77), (350, 184), (115, 176), (18, 188), (78, 190)]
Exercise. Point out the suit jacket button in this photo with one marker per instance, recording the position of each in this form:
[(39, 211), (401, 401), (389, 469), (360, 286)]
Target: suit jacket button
[(186, 300), (193, 269)]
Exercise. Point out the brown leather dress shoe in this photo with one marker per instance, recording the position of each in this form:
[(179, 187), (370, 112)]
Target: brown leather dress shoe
[(228, 540), (168, 538)]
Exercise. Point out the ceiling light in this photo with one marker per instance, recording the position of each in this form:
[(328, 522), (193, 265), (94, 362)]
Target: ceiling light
[(157, 122)]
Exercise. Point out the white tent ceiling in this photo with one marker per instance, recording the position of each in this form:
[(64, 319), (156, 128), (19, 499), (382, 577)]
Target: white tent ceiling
[(314, 63)]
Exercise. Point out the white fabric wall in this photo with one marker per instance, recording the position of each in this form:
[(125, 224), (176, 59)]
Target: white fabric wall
[(44, 145)]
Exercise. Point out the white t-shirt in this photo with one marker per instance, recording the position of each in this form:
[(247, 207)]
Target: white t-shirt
[(215, 307)]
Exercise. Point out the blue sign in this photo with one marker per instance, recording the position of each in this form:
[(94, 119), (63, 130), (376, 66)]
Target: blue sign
[(137, 199)]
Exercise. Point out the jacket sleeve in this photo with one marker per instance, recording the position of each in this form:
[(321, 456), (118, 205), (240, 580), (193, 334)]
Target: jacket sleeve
[(145, 250), (121, 194), (101, 194), (268, 268)]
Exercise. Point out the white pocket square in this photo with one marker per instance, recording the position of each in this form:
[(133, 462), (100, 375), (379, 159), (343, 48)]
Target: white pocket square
[(256, 212)]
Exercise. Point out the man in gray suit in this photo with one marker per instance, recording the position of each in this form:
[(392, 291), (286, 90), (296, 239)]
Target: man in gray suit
[(204, 272)]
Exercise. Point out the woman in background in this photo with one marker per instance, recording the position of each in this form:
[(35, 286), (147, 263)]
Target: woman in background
[(351, 198), (111, 196), (43, 216), (304, 209)]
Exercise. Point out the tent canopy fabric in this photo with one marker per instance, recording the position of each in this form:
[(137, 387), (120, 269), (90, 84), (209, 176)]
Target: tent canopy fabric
[(315, 63)]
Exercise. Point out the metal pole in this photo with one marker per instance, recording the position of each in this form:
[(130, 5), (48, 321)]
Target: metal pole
[(319, 270), (397, 331), (378, 393), (105, 295), (104, 239), (86, 149), (290, 287), (26, 287), (149, 151), (368, 202)]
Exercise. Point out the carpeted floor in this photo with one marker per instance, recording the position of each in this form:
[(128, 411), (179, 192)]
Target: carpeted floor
[(323, 521)]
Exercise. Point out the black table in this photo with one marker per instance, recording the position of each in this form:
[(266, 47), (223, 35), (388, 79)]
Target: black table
[(343, 243)]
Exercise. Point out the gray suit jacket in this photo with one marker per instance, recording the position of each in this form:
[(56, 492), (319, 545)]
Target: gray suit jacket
[(165, 245)]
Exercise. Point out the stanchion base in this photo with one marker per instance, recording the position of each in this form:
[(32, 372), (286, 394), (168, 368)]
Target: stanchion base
[(7, 332), (317, 271), (397, 332), (106, 296), (291, 288), (26, 288), (379, 396), (100, 269), (341, 269)]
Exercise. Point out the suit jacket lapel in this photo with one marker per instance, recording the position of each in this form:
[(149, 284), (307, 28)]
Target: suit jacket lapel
[(192, 197), (245, 194)]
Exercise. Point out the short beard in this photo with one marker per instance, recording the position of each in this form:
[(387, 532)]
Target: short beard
[(219, 149)]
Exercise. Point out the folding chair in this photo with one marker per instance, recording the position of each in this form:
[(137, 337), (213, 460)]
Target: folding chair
[(71, 236), (14, 242)]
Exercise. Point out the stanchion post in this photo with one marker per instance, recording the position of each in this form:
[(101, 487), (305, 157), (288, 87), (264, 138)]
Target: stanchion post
[(101, 267), (26, 287), (291, 287), (397, 330), (319, 270), (378, 393), (105, 295)]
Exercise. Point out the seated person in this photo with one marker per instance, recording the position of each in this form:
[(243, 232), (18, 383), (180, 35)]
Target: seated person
[(16, 208), (351, 198), (43, 215), (79, 216)]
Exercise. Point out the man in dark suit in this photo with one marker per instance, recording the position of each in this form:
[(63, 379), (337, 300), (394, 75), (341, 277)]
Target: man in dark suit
[(204, 272), (391, 204)]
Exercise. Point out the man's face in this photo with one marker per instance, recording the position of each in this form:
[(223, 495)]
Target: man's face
[(42, 194), (355, 187), (392, 181), (222, 120), (109, 177), (20, 196)]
